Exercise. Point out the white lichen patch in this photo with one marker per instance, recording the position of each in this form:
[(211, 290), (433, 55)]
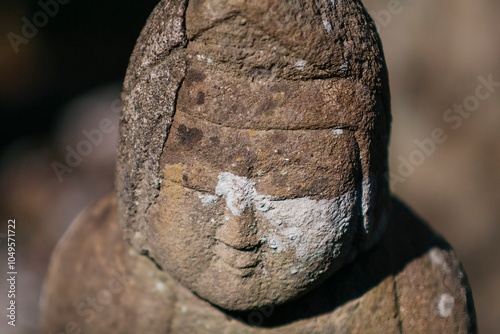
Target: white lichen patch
[(445, 305), (311, 228), (300, 64), (204, 58), (207, 199), (160, 286), (327, 25), (437, 258), (238, 192), (291, 233), (338, 132), (263, 203), (275, 244), (344, 67)]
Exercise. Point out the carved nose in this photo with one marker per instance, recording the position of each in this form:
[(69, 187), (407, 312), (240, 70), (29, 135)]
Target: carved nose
[(238, 232)]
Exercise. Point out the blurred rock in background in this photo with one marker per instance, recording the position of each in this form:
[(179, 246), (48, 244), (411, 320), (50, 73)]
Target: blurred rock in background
[(43, 203), (60, 84)]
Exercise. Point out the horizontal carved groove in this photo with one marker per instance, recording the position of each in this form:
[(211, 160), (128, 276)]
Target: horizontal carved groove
[(350, 128)]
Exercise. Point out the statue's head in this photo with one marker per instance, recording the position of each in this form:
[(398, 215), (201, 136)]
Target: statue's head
[(254, 145)]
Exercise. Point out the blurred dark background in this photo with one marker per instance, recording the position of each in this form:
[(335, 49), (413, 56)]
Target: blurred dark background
[(66, 77)]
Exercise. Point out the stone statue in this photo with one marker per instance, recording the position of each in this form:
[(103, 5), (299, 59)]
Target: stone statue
[(251, 189)]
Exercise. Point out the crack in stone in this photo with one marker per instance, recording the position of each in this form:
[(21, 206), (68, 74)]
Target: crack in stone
[(397, 305)]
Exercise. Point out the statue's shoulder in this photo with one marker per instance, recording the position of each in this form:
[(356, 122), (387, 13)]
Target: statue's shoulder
[(431, 290), (96, 282)]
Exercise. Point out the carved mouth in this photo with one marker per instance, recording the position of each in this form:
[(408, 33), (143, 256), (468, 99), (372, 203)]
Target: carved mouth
[(243, 261)]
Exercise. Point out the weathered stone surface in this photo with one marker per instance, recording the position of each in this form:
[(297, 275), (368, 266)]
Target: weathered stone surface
[(410, 282), (251, 190), (157, 67)]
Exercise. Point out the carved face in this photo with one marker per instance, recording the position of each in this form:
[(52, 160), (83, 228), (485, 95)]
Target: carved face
[(250, 217)]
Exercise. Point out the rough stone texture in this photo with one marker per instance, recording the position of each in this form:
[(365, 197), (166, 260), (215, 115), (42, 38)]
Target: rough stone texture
[(410, 282), (157, 68), (251, 191)]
